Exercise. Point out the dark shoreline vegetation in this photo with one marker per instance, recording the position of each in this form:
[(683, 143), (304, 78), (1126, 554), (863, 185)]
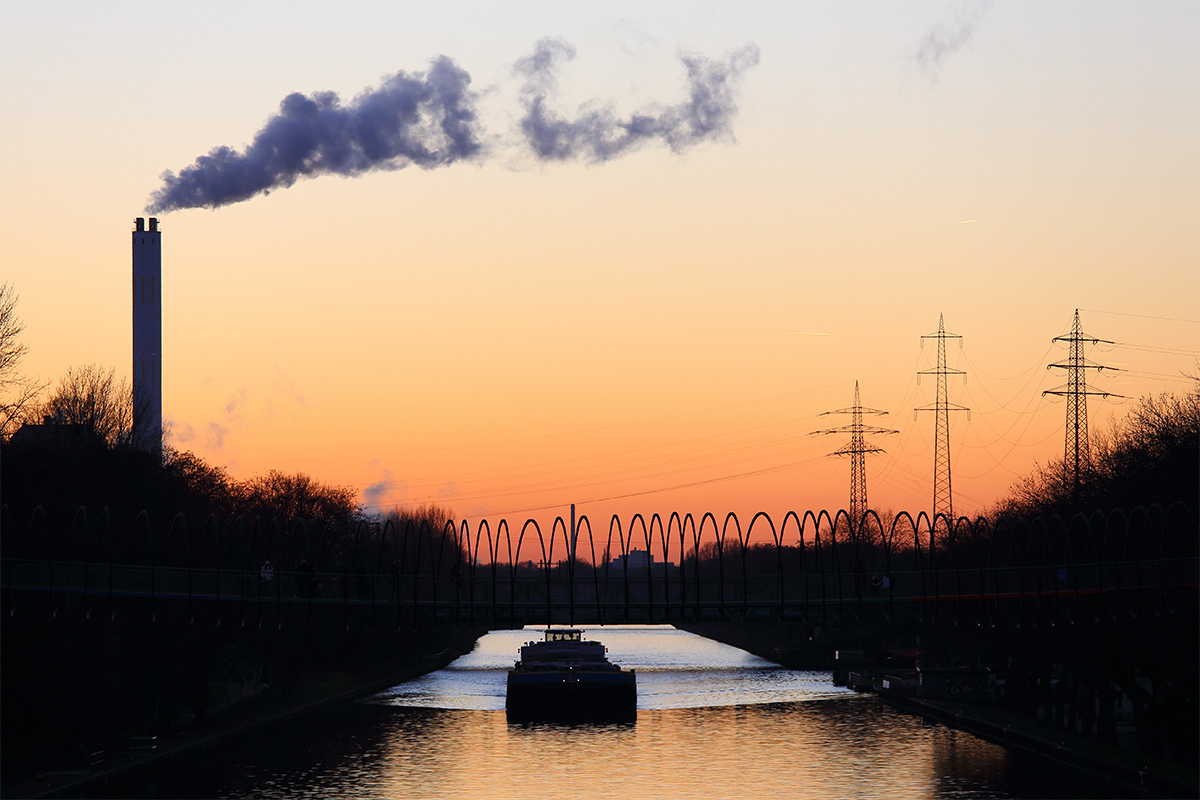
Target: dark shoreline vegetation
[(1152, 455)]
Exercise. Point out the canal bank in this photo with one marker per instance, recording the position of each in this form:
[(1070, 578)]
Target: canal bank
[(707, 731), (1144, 777), (812, 646), (318, 689)]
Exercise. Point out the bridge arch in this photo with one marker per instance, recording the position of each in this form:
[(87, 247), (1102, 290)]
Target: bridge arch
[(520, 540), (1135, 552), (1020, 552), (513, 559), (582, 522), (638, 519), (37, 517), (792, 515), (775, 538), (1076, 548), (1181, 525), (1157, 523), (708, 519), (809, 516), (198, 560), (548, 563), (674, 522)]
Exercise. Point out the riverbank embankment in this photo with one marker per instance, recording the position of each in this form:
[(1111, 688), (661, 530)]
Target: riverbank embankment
[(317, 689), (807, 646), (1144, 777)]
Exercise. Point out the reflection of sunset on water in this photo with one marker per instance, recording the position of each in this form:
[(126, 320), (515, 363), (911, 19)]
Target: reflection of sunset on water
[(821, 749), (446, 735), (823, 742)]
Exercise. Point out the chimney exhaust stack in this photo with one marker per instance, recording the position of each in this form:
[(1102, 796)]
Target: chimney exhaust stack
[(147, 334)]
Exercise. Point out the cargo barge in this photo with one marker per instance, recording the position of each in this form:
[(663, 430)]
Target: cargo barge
[(565, 678)]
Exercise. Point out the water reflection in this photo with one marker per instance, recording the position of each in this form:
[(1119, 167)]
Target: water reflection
[(821, 749), (676, 669), (709, 726)]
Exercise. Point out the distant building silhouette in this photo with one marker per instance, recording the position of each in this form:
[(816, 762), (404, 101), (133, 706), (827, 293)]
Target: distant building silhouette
[(54, 434), (638, 564), (637, 561)]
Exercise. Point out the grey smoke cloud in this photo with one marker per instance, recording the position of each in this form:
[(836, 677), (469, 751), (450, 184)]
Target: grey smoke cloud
[(429, 119), (425, 119), (945, 40), (216, 435), (374, 495), (598, 135)]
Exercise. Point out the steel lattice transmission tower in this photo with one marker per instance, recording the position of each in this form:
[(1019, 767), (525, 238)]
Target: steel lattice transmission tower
[(943, 497), (1076, 455), (857, 450)]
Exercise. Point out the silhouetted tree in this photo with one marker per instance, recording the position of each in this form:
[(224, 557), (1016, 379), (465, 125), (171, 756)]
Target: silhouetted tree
[(1151, 456), (17, 393), (421, 535), (196, 483), (92, 398), (294, 496)]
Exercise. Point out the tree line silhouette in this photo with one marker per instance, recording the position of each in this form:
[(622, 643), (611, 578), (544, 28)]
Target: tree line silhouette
[(1150, 456)]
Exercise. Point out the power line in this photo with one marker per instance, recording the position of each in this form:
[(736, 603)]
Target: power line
[(1140, 316), (1032, 368), (664, 489), (561, 434), (635, 457), (1162, 376), (1150, 348), (892, 462)]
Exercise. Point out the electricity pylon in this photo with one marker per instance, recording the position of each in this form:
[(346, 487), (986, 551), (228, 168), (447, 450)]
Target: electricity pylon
[(857, 449), (943, 497), (1076, 453)]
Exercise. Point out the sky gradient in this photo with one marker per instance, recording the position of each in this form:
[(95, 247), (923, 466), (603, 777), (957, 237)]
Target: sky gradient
[(505, 334)]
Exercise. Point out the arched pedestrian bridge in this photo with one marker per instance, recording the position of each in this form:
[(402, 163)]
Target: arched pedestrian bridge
[(1088, 570)]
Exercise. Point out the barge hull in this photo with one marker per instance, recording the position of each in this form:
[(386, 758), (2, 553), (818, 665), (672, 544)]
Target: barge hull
[(555, 696)]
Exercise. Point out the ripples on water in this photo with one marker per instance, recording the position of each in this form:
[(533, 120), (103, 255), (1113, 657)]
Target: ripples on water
[(713, 722), (675, 669)]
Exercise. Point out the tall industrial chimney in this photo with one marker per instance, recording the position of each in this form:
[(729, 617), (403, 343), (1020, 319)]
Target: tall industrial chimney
[(147, 332)]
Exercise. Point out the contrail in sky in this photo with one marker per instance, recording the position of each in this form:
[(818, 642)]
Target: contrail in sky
[(945, 40), (429, 119)]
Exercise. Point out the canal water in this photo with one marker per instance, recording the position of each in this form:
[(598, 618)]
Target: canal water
[(713, 722)]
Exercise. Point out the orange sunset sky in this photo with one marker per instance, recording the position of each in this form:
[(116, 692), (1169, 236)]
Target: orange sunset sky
[(506, 335)]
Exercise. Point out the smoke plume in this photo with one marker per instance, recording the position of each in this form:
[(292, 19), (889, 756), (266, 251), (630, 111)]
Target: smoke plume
[(374, 496), (599, 135), (428, 119), (424, 119), (945, 40)]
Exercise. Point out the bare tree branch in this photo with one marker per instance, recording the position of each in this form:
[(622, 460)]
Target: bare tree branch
[(18, 394)]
